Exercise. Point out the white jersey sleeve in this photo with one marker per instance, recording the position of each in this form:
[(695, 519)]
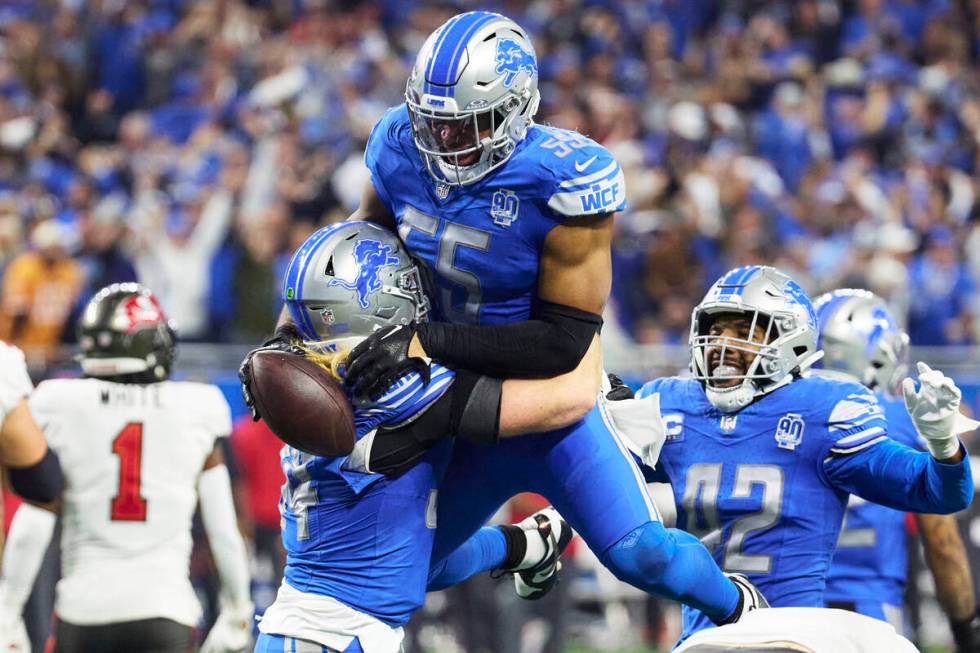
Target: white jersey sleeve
[(803, 630), (15, 384)]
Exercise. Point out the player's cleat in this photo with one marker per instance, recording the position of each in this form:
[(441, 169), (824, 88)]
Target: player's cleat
[(749, 599), (534, 550)]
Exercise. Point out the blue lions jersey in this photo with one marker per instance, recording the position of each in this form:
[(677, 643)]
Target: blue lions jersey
[(362, 538), (482, 242), (871, 560), (766, 488)]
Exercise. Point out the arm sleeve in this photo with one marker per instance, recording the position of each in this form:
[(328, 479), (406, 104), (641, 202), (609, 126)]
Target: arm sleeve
[(552, 343), (218, 514), (899, 477), (28, 540)]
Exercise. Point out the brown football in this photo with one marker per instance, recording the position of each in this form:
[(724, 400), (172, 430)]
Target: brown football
[(302, 404)]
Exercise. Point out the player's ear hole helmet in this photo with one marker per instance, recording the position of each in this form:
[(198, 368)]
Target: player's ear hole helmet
[(775, 304), (349, 279), (860, 338), (472, 95), (124, 335)]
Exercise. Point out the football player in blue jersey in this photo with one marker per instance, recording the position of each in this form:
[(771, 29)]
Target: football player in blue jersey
[(512, 221), (862, 343), (359, 543), (761, 458)]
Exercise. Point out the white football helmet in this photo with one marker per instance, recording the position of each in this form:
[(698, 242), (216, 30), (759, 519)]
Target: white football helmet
[(770, 299), (860, 338), (472, 95)]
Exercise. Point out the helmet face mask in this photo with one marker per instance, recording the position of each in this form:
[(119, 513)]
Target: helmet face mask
[(124, 336), (861, 339), (471, 96), (775, 344), (349, 279)]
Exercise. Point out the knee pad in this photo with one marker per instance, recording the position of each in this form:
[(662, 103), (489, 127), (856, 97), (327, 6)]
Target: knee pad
[(642, 556)]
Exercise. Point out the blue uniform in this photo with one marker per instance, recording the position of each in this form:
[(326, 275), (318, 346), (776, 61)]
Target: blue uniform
[(482, 245), (363, 539), (871, 561), (766, 488)]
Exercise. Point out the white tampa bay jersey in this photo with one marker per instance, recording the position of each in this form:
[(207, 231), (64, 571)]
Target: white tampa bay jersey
[(131, 455)]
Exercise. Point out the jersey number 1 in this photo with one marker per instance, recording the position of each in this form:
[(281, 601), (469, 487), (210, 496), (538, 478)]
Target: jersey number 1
[(128, 504)]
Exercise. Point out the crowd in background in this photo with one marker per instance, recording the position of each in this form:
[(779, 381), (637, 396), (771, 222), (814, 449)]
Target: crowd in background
[(193, 144)]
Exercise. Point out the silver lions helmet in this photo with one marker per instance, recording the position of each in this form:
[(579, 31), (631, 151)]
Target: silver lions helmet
[(861, 339), (350, 278), (472, 95), (775, 336)]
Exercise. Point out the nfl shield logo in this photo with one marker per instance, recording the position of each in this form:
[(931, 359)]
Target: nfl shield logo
[(327, 316), (728, 423), (789, 431), (504, 207), (442, 191)]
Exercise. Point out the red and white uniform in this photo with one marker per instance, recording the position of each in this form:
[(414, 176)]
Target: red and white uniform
[(131, 455)]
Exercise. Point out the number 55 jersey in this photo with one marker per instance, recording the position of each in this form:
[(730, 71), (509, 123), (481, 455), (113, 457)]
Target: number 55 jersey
[(766, 488), (483, 241), (131, 455)]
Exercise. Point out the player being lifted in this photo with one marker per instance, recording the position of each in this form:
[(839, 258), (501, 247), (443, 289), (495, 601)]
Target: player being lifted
[(761, 458), (138, 452), (862, 344), (513, 221), (358, 543)]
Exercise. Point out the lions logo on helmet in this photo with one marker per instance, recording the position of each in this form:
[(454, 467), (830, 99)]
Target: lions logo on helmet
[(861, 339), (371, 256), (348, 279), (775, 304), (512, 59)]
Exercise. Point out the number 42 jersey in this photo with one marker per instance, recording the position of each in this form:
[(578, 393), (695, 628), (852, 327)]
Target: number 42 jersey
[(766, 488), (483, 241), (131, 455)]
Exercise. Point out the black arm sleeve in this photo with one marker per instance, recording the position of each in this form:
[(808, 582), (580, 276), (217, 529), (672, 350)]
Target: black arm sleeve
[(469, 409), (41, 482), (552, 343)]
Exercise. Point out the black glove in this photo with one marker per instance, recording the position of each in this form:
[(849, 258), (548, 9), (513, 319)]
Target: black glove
[(619, 390), (966, 634), (381, 359), (286, 338)]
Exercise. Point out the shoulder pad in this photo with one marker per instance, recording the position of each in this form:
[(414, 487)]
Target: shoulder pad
[(212, 409), (586, 179), (386, 133), (666, 386)]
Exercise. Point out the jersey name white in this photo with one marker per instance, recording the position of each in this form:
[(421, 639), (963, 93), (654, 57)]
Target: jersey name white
[(131, 457)]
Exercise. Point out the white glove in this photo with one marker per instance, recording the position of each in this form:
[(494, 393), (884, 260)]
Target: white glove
[(935, 411), (13, 633), (232, 631), (15, 384)]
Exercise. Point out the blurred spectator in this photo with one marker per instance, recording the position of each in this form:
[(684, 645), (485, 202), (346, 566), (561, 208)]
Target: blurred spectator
[(944, 293), (39, 290)]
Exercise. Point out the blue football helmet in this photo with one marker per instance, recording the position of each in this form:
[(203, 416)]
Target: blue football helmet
[(349, 279), (472, 95), (861, 339), (768, 299)]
